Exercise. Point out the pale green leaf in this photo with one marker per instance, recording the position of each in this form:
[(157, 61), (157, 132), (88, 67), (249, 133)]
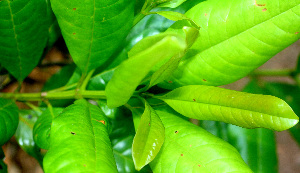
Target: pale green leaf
[(239, 108), (93, 30), (170, 3), (79, 141), (142, 58), (236, 37), (189, 148), (175, 16), (9, 119), (148, 139), (23, 35)]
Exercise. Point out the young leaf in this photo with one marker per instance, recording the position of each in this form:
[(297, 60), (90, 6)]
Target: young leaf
[(255, 145), (93, 29), (242, 109), (170, 3), (24, 135), (42, 127), (131, 72), (175, 16), (9, 119), (236, 37), (23, 35), (189, 148), (148, 139), (79, 135)]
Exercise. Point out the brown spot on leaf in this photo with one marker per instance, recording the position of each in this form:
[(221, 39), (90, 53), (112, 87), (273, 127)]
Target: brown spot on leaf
[(259, 5), (296, 32), (204, 80), (205, 14), (190, 145), (264, 9), (74, 9), (176, 131), (149, 124), (101, 121), (181, 154), (84, 165), (199, 165), (170, 81), (194, 100), (73, 133), (74, 33)]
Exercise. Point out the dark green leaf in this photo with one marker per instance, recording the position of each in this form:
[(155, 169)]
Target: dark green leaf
[(23, 35), (239, 108), (216, 128), (148, 139), (80, 136), (3, 167), (236, 37), (24, 134), (42, 127), (131, 72), (9, 119), (93, 30), (189, 148), (54, 30), (256, 146)]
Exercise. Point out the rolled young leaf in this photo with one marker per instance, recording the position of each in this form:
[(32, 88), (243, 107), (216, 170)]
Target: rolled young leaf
[(130, 73), (238, 108), (93, 29), (149, 138), (9, 119), (42, 127), (23, 35), (79, 141), (236, 37), (189, 148)]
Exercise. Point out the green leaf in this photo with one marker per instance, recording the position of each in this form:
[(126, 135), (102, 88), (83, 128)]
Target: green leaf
[(42, 127), (216, 128), (3, 167), (175, 16), (189, 148), (80, 136), (236, 37), (93, 30), (148, 139), (256, 146), (54, 30), (9, 119), (239, 108), (171, 3), (23, 35), (131, 72), (24, 135)]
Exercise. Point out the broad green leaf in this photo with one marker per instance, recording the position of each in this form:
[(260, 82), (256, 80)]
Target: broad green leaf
[(79, 134), (93, 30), (238, 108), (256, 146), (42, 127), (189, 148), (9, 119), (148, 139), (236, 37), (131, 72), (3, 167), (24, 135), (23, 35)]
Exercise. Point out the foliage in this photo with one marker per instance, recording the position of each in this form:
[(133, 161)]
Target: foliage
[(141, 70)]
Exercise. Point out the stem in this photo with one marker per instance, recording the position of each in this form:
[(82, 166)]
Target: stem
[(277, 72), (86, 80), (33, 107), (64, 88), (144, 12), (72, 94)]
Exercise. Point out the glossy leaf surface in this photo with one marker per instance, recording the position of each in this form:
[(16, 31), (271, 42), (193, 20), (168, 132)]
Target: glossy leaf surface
[(239, 108), (80, 136), (148, 139), (42, 127), (236, 37), (93, 29), (9, 119), (23, 35), (24, 135), (131, 72), (189, 148)]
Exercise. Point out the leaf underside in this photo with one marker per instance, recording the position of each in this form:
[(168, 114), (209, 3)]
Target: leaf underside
[(23, 35), (238, 35)]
